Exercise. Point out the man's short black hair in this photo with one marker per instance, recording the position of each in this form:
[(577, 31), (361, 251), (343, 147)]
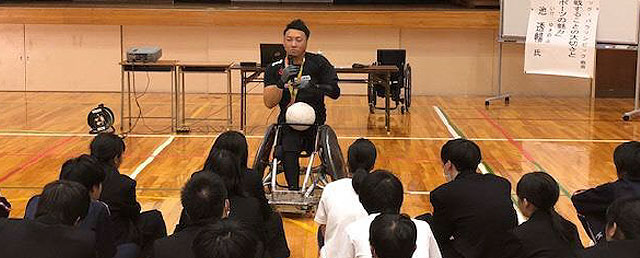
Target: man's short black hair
[(625, 213), (203, 196), (106, 147), (63, 202), (298, 24), (381, 192), (463, 154), (393, 236), (84, 169), (224, 239), (626, 157)]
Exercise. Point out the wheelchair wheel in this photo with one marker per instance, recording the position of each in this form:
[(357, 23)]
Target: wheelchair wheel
[(262, 158), (331, 154), (407, 87)]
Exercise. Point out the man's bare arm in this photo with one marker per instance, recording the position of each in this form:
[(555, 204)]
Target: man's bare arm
[(271, 96)]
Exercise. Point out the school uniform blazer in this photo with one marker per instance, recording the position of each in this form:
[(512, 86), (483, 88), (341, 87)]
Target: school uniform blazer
[(473, 216)]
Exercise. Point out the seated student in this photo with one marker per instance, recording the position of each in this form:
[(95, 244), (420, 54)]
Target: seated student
[(546, 233), (592, 204), (393, 236), (275, 239), (119, 193), (86, 171), (382, 192), (236, 143), (472, 213), (622, 232), (53, 233), (5, 207), (339, 204), (242, 206), (204, 198), (225, 239)]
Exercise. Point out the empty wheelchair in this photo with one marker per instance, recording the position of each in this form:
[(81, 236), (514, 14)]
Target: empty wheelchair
[(331, 168), (400, 82)]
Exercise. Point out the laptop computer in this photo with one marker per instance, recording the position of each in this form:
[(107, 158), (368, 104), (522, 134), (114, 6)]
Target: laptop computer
[(270, 53)]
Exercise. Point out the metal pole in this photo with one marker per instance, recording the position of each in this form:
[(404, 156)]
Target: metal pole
[(627, 116), (229, 99), (182, 94), (499, 96), (121, 98), (174, 99), (243, 112), (636, 100), (133, 80), (387, 103)]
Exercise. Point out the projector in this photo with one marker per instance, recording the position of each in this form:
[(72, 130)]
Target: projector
[(144, 54)]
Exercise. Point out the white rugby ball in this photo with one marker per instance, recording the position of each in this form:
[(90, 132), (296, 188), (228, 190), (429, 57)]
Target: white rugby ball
[(300, 113)]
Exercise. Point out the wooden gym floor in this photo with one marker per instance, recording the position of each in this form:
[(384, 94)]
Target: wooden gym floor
[(572, 139)]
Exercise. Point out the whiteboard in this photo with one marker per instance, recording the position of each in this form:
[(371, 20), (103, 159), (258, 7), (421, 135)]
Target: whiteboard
[(618, 21)]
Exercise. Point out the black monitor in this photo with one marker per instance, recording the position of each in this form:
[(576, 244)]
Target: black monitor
[(395, 57), (270, 53)]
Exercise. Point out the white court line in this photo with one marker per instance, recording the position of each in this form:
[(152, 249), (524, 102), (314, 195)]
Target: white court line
[(482, 167), (27, 134), (446, 123), (418, 192), (150, 159), (32, 134)]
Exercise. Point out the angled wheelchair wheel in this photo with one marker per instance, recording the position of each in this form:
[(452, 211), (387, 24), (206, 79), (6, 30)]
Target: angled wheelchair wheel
[(331, 154), (407, 87), (263, 155)]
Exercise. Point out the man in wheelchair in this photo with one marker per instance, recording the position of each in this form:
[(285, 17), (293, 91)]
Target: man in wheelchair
[(299, 77)]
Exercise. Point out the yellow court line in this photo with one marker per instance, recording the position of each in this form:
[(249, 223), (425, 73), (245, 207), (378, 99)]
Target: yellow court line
[(199, 110), (303, 225)]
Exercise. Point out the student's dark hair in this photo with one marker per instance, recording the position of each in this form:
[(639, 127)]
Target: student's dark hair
[(626, 157), (463, 154), (361, 158), (224, 239), (84, 169), (298, 24), (625, 212), (393, 236), (381, 192), (541, 190), (235, 142), (106, 147), (226, 165), (203, 197), (64, 202)]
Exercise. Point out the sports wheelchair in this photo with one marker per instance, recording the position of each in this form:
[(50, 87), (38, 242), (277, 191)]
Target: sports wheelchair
[(400, 82), (331, 168)]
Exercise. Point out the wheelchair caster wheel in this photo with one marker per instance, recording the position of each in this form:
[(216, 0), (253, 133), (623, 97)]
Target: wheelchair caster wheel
[(371, 108), (402, 110), (487, 103), (506, 101), (626, 118)]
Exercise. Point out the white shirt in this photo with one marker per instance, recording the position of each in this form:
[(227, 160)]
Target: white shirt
[(339, 206), (358, 235)]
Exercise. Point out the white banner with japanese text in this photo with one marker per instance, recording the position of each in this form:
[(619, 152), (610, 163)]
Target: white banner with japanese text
[(561, 37)]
